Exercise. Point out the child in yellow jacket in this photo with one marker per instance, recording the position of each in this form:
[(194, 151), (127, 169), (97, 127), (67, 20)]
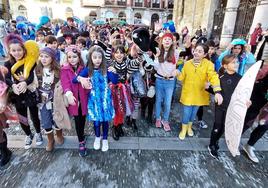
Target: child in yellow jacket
[(194, 75)]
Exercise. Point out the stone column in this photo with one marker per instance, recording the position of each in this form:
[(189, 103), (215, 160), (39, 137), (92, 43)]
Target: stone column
[(229, 22), (260, 15)]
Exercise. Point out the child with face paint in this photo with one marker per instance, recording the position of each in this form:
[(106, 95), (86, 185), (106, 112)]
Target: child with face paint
[(123, 66), (165, 66)]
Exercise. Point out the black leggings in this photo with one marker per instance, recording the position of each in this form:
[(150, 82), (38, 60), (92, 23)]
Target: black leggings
[(80, 121), (34, 116), (200, 113), (218, 127), (257, 134)]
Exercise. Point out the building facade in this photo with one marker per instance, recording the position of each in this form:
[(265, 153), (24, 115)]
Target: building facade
[(33, 9), (194, 13), (138, 11), (4, 10), (224, 19), (132, 11)]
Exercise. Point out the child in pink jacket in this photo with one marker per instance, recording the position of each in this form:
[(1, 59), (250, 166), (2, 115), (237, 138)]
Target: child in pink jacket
[(76, 95)]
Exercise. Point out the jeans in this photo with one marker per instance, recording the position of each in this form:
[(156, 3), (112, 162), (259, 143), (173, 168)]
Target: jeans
[(164, 91), (46, 117), (189, 113)]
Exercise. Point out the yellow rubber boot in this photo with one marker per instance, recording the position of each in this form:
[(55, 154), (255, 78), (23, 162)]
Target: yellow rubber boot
[(190, 130), (183, 132)]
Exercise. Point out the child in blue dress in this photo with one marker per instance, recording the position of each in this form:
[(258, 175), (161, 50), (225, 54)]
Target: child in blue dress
[(100, 107)]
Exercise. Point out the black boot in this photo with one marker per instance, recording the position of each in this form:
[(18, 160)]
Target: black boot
[(133, 122), (120, 130), (6, 154), (128, 122), (115, 133)]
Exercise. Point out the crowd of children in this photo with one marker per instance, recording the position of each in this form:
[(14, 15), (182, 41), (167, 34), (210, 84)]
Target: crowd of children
[(107, 75)]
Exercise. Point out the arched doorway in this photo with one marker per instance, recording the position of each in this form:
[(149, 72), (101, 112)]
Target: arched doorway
[(122, 16), (137, 18), (109, 16), (22, 11), (154, 18), (69, 12)]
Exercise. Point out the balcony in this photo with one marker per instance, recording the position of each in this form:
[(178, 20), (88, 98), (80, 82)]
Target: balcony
[(121, 3), (110, 2), (170, 5), (138, 4), (156, 5)]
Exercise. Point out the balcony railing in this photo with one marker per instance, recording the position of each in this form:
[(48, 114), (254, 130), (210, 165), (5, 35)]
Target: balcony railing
[(121, 3), (156, 5), (170, 6), (109, 2), (138, 4)]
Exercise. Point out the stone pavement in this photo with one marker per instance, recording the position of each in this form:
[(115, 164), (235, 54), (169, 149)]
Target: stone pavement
[(132, 168), (139, 143)]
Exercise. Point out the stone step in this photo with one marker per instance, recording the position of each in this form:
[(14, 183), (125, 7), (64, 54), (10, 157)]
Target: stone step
[(138, 143)]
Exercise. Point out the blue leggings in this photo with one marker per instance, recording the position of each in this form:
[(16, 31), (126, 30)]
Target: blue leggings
[(105, 129)]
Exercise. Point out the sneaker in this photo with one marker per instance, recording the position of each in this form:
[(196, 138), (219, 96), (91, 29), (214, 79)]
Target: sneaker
[(97, 143), (105, 145), (250, 152), (166, 126), (38, 139), (213, 152), (82, 149), (202, 124), (28, 141), (158, 123)]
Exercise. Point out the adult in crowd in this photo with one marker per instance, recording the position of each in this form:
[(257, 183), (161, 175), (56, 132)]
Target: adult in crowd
[(70, 28), (255, 37)]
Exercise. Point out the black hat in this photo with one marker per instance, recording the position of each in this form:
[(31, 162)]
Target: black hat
[(141, 38)]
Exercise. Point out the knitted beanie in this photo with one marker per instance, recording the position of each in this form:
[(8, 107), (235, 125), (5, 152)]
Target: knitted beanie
[(49, 51)]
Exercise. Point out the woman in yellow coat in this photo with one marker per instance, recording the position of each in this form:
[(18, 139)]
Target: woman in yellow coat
[(194, 76)]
